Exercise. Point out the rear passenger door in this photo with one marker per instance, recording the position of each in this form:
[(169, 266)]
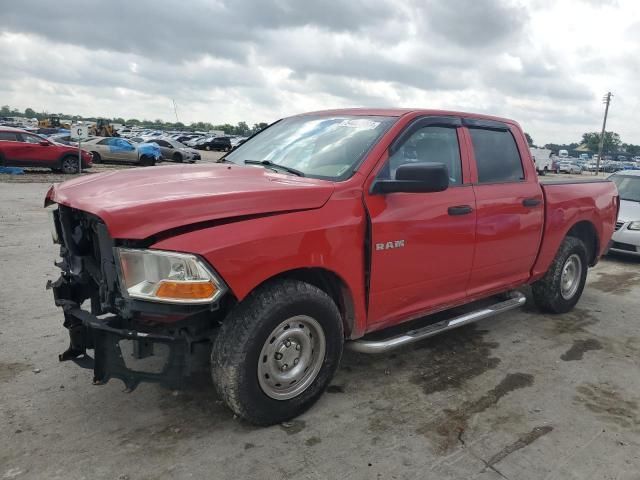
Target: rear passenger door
[(509, 207)]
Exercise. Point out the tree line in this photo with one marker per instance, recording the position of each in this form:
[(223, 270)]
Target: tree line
[(241, 129), (613, 145)]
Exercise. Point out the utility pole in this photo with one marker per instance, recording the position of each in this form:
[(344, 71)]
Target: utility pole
[(175, 110), (606, 100)]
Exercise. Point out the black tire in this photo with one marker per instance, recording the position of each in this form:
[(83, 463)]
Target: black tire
[(147, 161), (207, 148), (246, 332), (69, 164), (95, 157), (548, 291), (177, 157)]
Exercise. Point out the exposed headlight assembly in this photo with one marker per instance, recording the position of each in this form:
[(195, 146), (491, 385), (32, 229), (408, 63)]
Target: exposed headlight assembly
[(634, 226), (169, 277), (53, 222)]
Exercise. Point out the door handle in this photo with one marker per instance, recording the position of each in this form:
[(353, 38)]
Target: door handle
[(460, 210), (531, 202)]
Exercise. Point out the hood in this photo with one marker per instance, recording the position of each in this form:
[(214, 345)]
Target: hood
[(629, 211), (138, 203)]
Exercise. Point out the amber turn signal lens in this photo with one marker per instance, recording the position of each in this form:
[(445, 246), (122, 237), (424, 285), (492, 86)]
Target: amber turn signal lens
[(186, 290)]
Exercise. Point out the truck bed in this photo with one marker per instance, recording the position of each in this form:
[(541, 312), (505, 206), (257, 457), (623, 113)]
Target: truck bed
[(569, 202)]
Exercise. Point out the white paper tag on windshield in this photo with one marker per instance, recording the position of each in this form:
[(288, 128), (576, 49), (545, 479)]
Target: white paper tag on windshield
[(359, 123)]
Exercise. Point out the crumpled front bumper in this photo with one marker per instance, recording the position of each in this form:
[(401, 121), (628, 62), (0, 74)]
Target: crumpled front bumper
[(104, 336)]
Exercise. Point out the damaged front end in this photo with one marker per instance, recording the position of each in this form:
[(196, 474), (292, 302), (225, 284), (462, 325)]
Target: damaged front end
[(152, 313)]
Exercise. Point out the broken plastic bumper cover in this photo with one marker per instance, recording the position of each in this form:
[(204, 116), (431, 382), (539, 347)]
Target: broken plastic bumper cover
[(104, 336)]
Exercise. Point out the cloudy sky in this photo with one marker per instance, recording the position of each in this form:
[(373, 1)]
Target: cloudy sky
[(545, 63)]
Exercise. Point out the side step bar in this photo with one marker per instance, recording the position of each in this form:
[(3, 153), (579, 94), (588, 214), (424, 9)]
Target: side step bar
[(380, 346)]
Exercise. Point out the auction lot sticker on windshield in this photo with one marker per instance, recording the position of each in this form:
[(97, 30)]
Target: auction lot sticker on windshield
[(359, 123)]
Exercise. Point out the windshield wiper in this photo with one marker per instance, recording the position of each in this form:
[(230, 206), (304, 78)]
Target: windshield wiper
[(269, 163)]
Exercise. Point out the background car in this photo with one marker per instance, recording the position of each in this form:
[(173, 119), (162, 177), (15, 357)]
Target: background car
[(116, 149), (176, 151), (567, 166), (19, 148), (626, 238), (215, 143)]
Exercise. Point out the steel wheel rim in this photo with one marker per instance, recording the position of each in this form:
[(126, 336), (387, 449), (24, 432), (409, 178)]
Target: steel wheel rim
[(571, 275), (291, 357)]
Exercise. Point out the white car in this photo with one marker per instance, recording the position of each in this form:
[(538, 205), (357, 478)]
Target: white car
[(626, 238), (569, 167)]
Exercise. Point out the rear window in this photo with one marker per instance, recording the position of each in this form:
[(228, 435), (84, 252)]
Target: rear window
[(497, 156), (8, 137)]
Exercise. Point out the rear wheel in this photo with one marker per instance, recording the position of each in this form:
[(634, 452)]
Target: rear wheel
[(69, 165), (561, 287), (276, 353)]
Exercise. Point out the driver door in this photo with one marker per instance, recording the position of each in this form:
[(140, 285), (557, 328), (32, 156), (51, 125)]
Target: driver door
[(422, 243)]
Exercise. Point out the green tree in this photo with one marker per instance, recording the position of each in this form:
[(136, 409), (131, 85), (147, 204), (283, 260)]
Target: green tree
[(259, 126), (242, 129), (5, 111), (631, 149), (612, 141), (133, 121), (29, 112), (529, 139)]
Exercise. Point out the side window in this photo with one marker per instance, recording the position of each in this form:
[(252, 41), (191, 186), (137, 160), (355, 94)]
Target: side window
[(31, 138), (8, 137), (497, 156), (429, 144), (106, 141)]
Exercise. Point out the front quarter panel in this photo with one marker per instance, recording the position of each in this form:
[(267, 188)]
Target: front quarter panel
[(249, 252)]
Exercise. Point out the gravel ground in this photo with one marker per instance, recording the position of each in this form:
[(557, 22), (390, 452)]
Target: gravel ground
[(520, 396)]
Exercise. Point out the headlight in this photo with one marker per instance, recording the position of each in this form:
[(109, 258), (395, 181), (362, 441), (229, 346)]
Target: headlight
[(170, 277), (634, 226)]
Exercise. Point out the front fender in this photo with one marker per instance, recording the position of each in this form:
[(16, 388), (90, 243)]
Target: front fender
[(246, 253)]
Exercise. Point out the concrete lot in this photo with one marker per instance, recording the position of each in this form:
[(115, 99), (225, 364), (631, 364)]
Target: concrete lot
[(521, 396)]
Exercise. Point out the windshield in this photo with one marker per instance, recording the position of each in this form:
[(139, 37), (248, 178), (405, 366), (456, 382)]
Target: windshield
[(628, 187), (329, 147)]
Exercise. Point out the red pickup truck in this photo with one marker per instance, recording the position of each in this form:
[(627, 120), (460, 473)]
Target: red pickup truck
[(321, 231)]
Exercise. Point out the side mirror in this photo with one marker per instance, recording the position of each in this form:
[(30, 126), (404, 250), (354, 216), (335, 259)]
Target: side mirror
[(44, 143), (415, 178)]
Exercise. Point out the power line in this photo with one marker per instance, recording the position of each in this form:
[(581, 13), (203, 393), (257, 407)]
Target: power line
[(606, 100)]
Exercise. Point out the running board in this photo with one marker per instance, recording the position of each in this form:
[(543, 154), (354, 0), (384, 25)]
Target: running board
[(380, 346)]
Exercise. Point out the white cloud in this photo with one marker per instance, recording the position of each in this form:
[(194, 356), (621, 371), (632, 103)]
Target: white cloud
[(545, 63)]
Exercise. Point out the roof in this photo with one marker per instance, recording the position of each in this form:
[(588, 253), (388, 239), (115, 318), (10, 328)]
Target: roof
[(13, 129), (399, 112)]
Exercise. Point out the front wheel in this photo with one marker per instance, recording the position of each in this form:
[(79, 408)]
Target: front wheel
[(69, 165), (147, 161), (561, 287), (276, 353)]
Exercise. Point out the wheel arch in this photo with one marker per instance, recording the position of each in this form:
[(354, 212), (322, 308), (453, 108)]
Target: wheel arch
[(586, 231), (330, 283)]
